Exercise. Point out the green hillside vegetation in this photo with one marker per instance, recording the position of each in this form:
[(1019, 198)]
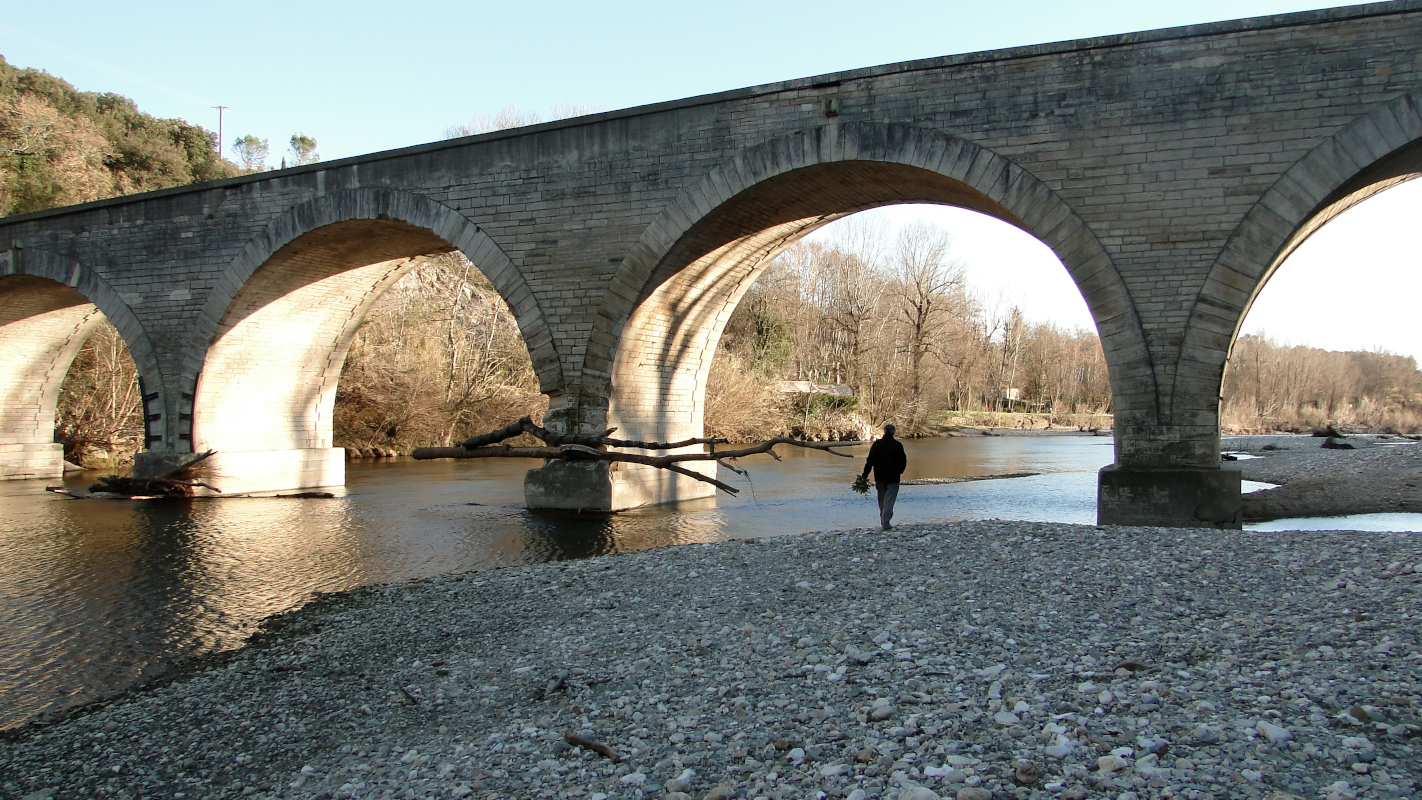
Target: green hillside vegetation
[(60, 146)]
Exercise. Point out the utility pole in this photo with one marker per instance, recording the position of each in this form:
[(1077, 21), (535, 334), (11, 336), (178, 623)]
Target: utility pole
[(220, 109)]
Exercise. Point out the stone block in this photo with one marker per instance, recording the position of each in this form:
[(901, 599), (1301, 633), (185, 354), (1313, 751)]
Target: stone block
[(603, 487), (31, 461), (1169, 498)]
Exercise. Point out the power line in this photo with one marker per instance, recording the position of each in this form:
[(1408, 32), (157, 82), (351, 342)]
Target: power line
[(100, 65)]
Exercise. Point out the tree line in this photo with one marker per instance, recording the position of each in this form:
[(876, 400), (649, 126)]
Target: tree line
[(893, 319), (1271, 386), (60, 146), (439, 358)]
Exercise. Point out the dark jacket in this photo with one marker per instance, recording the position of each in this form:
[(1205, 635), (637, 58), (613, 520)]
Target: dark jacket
[(887, 459)]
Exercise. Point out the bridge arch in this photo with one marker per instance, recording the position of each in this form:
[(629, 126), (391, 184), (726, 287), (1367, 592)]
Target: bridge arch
[(657, 329), (679, 283), (1376, 152), (280, 320), (49, 305)]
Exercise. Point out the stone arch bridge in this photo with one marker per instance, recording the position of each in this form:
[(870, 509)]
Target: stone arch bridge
[(1170, 171)]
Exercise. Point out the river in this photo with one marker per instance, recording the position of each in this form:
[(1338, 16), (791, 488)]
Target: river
[(96, 595)]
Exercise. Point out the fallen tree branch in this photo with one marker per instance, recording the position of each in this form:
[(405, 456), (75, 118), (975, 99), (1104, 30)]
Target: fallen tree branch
[(569, 453), (176, 482), (588, 744), (586, 449), (187, 468), (525, 425)]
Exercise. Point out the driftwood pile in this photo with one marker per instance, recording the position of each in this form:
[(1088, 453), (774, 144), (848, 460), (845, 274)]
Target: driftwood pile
[(177, 482), (593, 447)]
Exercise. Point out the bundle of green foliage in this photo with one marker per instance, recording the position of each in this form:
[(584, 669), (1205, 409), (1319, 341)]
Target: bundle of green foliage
[(60, 146)]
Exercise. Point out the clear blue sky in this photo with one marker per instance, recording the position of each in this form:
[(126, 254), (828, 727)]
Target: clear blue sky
[(363, 76)]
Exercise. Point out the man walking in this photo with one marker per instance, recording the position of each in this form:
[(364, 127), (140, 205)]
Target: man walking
[(887, 459)]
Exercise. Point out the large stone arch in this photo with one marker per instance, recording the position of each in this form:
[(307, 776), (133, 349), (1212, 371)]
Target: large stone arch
[(864, 165), (1375, 152), (49, 305), (656, 331), (280, 319)]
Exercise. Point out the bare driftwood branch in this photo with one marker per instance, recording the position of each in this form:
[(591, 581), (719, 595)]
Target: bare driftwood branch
[(588, 744), (525, 425), (568, 452), (186, 468), (583, 452), (177, 482)]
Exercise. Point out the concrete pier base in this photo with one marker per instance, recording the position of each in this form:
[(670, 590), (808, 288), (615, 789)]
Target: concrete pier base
[(30, 460), (604, 486), (245, 472), (1169, 498)]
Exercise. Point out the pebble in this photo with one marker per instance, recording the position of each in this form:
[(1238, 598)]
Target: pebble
[(1110, 763), (1273, 733), (984, 661), (681, 783)]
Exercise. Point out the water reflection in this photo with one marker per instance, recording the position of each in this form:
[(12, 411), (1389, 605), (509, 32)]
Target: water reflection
[(95, 594), (1388, 522)]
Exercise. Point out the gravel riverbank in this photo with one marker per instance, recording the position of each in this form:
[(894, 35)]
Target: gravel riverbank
[(1380, 474), (975, 660)]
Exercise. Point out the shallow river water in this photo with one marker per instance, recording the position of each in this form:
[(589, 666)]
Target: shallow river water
[(98, 594)]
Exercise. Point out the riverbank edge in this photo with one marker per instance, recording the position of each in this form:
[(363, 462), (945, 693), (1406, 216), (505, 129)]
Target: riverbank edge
[(267, 635), (1377, 473)]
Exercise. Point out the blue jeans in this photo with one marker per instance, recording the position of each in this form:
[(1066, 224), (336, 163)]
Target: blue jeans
[(888, 493)]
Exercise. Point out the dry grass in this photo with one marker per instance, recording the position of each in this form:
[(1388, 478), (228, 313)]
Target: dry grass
[(1239, 421), (742, 404), (438, 359)]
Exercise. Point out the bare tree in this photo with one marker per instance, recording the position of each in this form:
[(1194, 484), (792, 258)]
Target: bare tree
[(929, 288), (438, 356), (99, 417), (849, 286)]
